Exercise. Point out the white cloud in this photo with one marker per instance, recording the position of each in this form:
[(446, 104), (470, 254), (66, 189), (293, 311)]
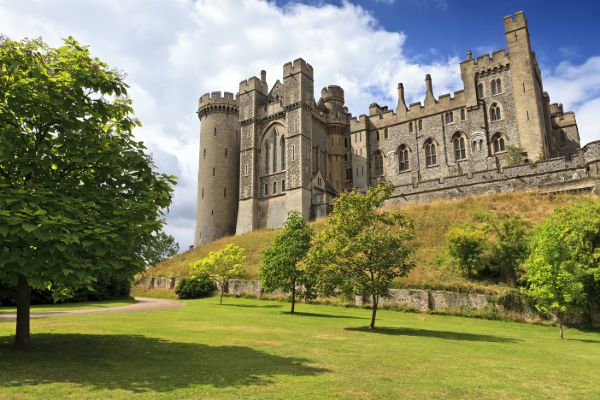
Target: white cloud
[(577, 87)]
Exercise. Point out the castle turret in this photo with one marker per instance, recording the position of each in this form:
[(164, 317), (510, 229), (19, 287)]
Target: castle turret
[(218, 172), (337, 128)]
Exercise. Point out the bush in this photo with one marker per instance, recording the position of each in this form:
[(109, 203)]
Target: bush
[(195, 287)]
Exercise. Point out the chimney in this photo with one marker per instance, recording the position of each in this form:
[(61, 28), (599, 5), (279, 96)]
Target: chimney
[(401, 107), (429, 99)]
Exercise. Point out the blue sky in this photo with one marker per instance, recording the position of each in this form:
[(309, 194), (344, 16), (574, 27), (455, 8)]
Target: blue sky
[(173, 51)]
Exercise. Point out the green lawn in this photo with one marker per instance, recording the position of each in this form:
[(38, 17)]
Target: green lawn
[(70, 306), (250, 349)]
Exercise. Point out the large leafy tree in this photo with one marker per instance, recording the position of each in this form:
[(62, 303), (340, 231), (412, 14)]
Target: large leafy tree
[(362, 249), (161, 247), (222, 265), (563, 270), (79, 196), (281, 266)]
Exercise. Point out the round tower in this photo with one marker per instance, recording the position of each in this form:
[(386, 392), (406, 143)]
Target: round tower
[(337, 132), (218, 170)]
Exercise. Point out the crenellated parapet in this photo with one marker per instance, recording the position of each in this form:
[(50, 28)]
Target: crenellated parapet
[(217, 102), (296, 67)]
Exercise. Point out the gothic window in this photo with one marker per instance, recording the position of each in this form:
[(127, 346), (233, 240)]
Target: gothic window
[(460, 151), (385, 133), (266, 189), (498, 86), (499, 143), (474, 146), (463, 114), (449, 117), (348, 174), (282, 145), (267, 150), (430, 153), (480, 90), (346, 142), (495, 114), (410, 127), (378, 159), (274, 151), (225, 192), (494, 87), (274, 187), (377, 136), (420, 125), (403, 158), (283, 185)]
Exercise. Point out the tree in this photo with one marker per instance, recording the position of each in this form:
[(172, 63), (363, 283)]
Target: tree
[(515, 155), (281, 263), (161, 247), (362, 249), (509, 247), (222, 266), (467, 245), (78, 195), (563, 268)]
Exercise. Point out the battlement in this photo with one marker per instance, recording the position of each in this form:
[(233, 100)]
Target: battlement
[(298, 66), (253, 83), (515, 22), (332, 92), (226, 98), (358, 123), (556, 109)]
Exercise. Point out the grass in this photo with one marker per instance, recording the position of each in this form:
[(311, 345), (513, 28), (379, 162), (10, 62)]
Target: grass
[(251, 349), (432, 222), (70, 306)]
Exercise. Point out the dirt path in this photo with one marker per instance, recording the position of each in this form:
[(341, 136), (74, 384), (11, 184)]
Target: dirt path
[(143, 304)]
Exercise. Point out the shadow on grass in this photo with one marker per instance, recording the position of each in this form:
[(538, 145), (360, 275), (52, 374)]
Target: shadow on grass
[(585, 340), (318, 315), (435, 334), (252, 305), (140, 364)]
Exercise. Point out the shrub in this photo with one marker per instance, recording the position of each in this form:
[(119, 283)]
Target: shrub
[(195, 287)]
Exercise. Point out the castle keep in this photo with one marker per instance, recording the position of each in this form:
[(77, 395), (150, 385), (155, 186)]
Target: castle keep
[(266, 152)]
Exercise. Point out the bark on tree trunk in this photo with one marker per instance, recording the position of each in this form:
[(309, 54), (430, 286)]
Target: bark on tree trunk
[(293, 295), (562, 336), (222, 289), (374, 313), (23, 308)]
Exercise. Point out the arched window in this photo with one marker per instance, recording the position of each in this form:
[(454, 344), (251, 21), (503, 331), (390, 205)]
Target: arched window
[(403, 158), (420, 124), (378, 159), (385, 133), (498, 86), (410, 127), (463, 114), (274, 187), (495, 114), (499, 143), (274, 151), (449, 117), (266, 189), (283, 185), (480, 90), (282, 145), (460, 151), (494, 87), (430, 153), (266, 151)]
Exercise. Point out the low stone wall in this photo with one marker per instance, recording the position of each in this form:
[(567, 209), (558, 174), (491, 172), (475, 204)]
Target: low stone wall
[(158, 282)]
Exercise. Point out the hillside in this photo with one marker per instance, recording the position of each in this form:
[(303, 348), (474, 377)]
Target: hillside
[(432, 221)]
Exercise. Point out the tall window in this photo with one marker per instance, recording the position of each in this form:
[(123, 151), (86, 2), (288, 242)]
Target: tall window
[(494, 87), (499, 143), (403, 158), (480, 90), (410, 127), (495, 112), (267, 151), (282, 145), (449, 117), (377, 136), (274, 187), (266, 189), (378, 164), (430, 153), (460, 151), (463, 114), (274, 152), (420, 125), (385, 133)]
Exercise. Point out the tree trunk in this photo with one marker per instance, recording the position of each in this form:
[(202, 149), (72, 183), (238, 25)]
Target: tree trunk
[(562, 335), (23, 308), (293, 295), (374, 313), (222, 284)]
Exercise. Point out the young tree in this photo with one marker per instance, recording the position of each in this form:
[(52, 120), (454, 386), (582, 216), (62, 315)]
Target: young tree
[(78, 195), (468, 245), (161, 247), (362, 249), (222, 266), (281, 263), (564, 265)]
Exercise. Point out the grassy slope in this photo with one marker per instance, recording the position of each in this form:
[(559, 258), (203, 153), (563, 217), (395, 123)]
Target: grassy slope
[(432, 222), (249, 349)]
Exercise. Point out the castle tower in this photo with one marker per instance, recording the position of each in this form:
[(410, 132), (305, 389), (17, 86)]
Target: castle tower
[(218, 170), (337, 126), (526, 88)]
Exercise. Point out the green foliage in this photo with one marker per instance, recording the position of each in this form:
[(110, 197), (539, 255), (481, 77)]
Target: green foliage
[(361, 248), (222, 265), (563, 268), (281, 262), (195, 287), (78, 195), (514, 154), (468, 246), (161, 247)]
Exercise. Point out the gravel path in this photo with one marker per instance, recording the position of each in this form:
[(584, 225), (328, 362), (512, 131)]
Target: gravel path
[(143, 304)]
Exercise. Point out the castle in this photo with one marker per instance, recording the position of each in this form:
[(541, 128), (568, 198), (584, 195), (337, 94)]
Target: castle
[(266, 152)]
